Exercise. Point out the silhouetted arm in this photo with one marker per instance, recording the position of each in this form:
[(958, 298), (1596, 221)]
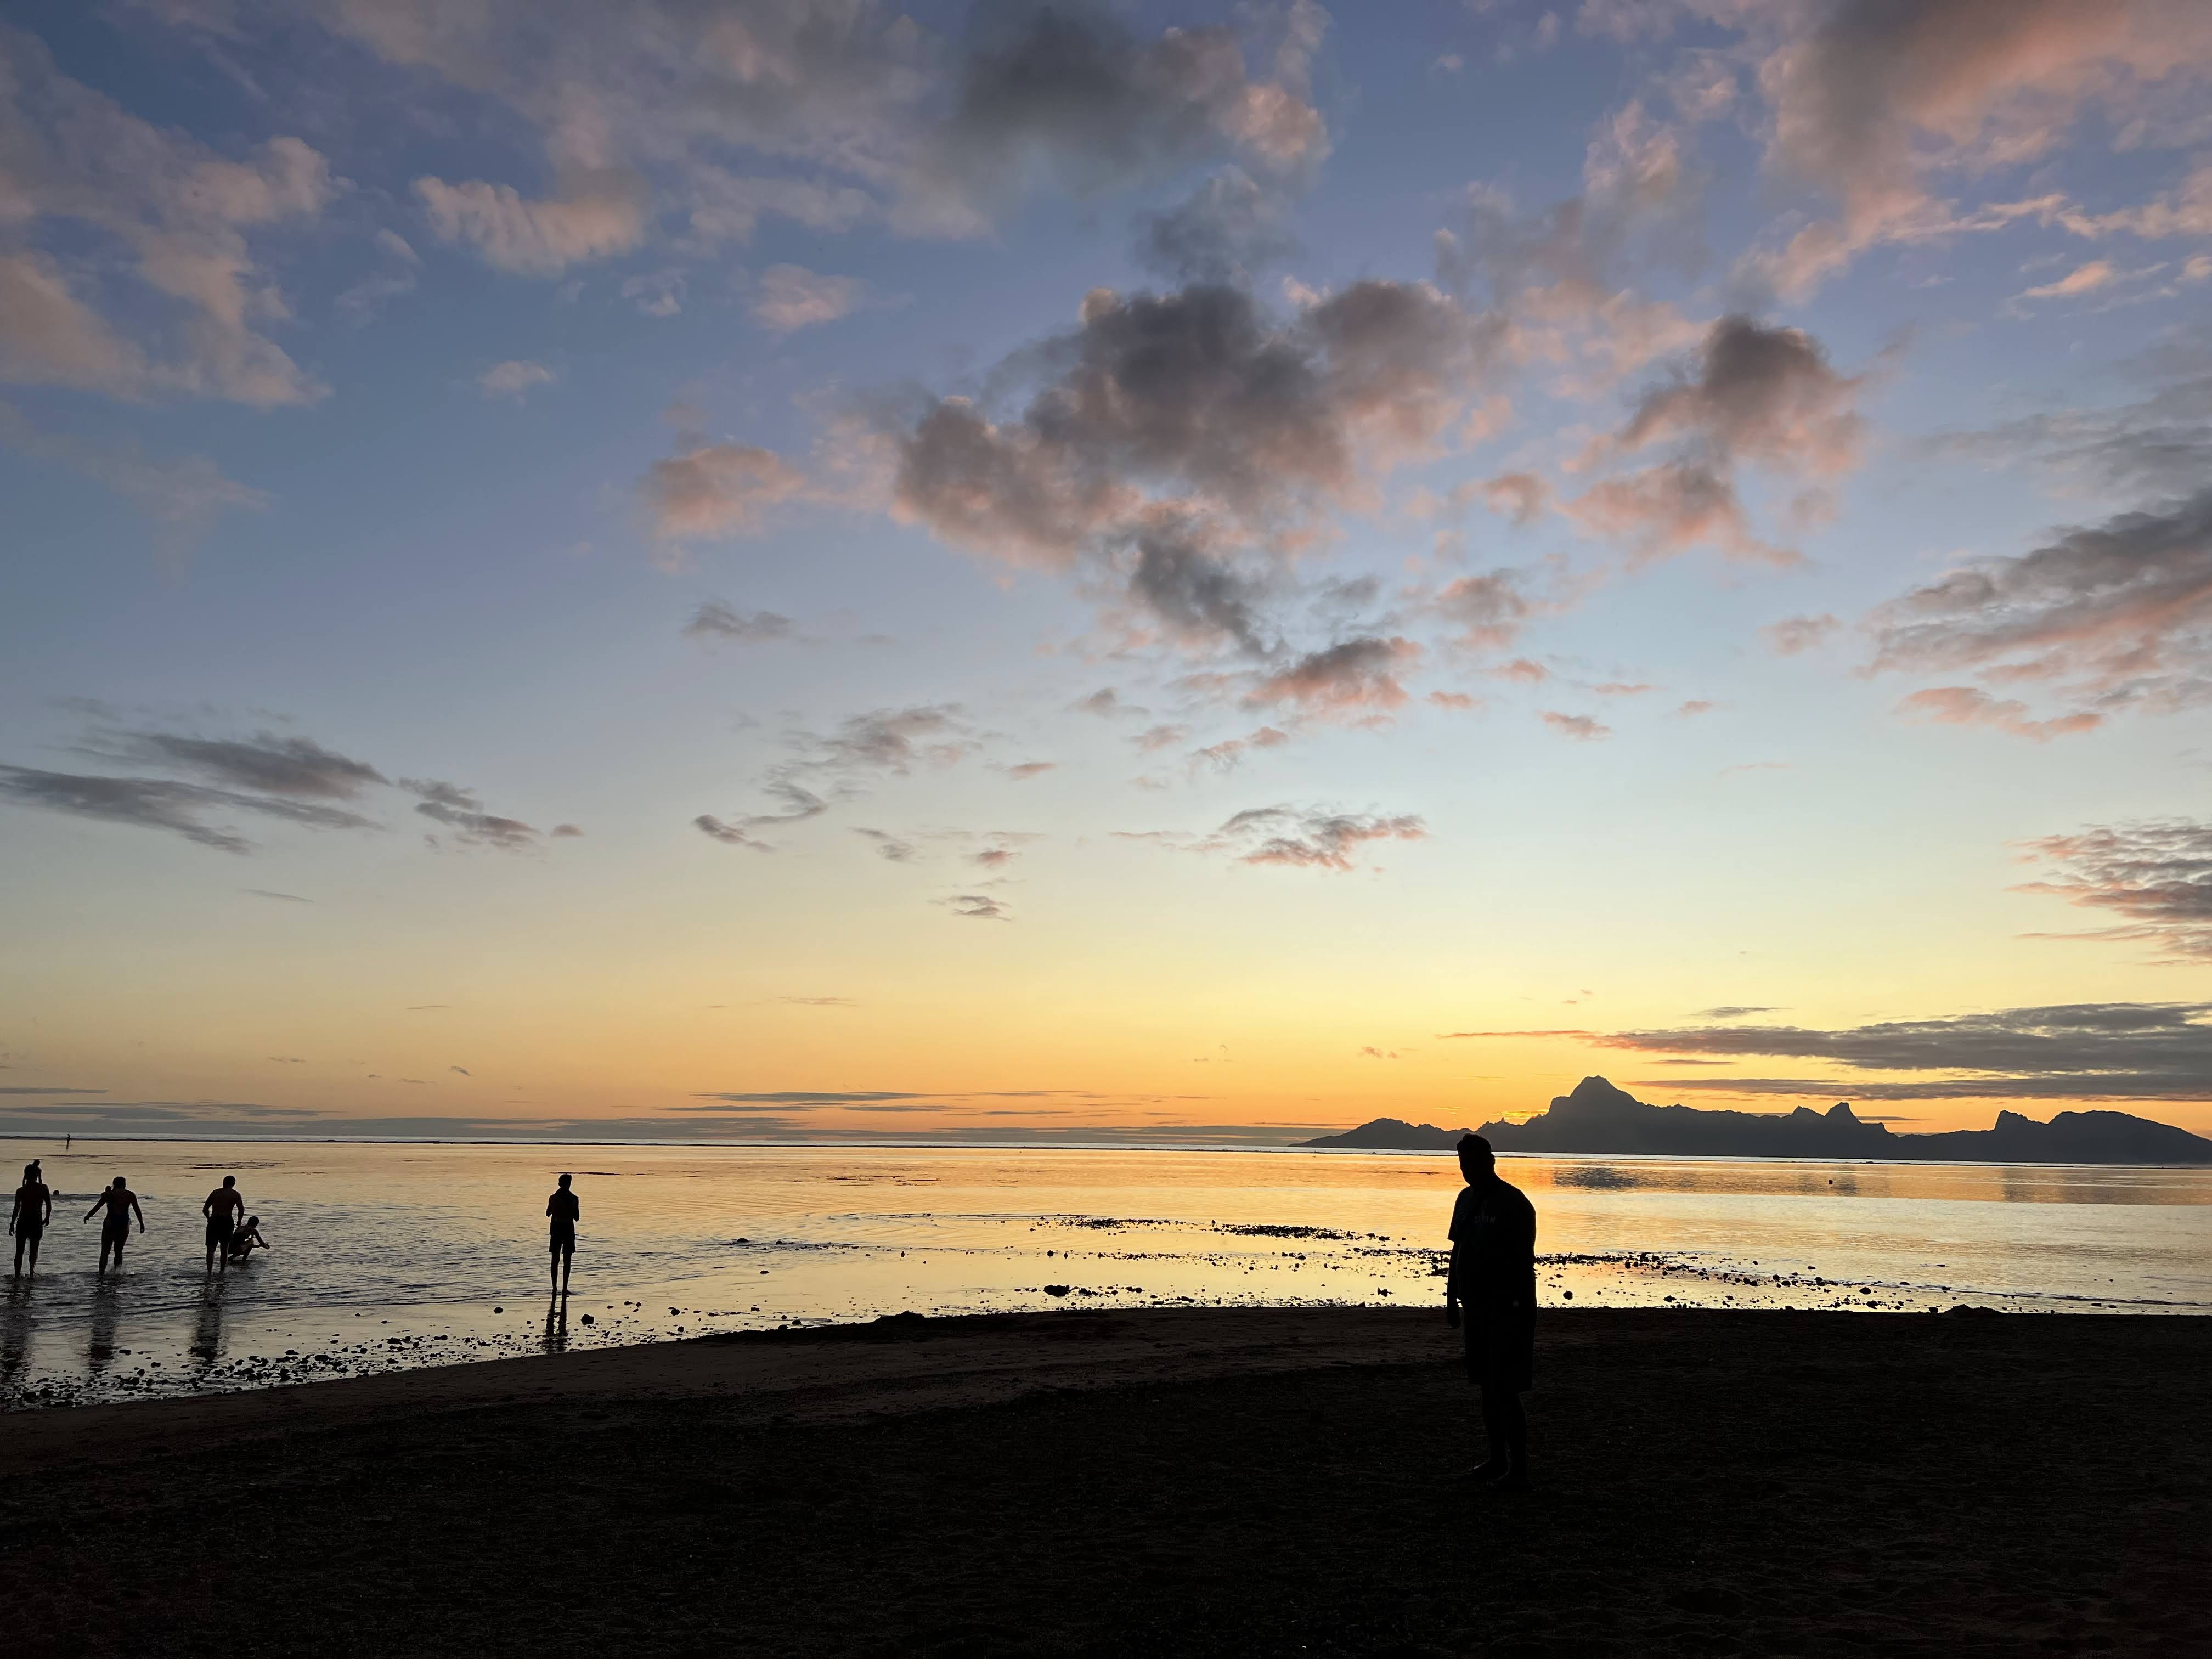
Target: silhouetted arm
[(94, 1210), (140, 1214), (12, 1210)]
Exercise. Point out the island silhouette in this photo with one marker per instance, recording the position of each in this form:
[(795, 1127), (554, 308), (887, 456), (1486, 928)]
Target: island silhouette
[(1598, 1117)]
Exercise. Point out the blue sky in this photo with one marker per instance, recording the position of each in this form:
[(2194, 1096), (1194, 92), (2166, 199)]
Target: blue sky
[(1174, 555)]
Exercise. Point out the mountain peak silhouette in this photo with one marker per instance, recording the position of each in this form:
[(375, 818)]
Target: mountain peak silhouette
[(1598, 1116)]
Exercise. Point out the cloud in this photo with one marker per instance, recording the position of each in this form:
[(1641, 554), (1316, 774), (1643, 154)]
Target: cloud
[(2084, 279), (2109, 617), (716, 620), (168, 214), (1695, 707), (1309, 838), (275, 765), (264, 892), (1966, 705), (512, 379), (1071, 101), (1460, 702), (600, 214), (1226, 230), (656, 293), (1105, 702), (864, 747), (461, 811), (888, 846), (729, 834), (977, 907), (1350, 677), (2156, 877), (1581, 727), (1877, 99), (791, 297), (1023, 771), (717, 491), (1733, 1011), (1195, 409), (1794, 635), (401, 269), (163, 804), (2068, 1051), (1753, 395)]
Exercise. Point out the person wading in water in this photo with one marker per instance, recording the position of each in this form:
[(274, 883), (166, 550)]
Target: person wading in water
[(35, 1208), (121, 1204), (565, 1210), (221, 1208), (1491, 1294)]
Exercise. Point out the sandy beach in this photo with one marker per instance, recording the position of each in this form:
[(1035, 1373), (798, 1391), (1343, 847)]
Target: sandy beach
[(1201, 1480)]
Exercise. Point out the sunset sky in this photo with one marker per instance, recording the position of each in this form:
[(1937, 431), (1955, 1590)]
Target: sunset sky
[(734, 569)]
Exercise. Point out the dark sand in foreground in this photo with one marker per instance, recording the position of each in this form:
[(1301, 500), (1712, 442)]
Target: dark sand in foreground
[(1173, 1481)]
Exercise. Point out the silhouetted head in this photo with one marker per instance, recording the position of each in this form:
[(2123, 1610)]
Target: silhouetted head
[(1476, 1161), (230, 1180), (119, 1183), (31, 1170), (565, 1179), (254, 1221)]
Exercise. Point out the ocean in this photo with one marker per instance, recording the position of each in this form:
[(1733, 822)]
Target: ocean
[(394, 1255)]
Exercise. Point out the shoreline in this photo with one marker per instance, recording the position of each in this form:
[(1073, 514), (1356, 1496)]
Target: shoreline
[(1201, 1481)]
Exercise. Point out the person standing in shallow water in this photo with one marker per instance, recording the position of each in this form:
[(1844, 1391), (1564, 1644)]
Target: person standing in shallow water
[(35, 1208), (222, 1208), (121, 1204), (1491, 1294), (566, 1212)]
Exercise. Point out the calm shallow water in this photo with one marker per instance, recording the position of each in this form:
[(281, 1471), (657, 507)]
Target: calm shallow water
[(394, 1256)]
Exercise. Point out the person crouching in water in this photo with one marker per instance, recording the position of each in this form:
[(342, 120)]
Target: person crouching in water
[(248, 1239), (1491, 1294)]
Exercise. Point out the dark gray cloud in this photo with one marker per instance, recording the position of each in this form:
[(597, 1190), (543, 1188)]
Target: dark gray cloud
[(2101, 617), (191, 809), (462, 812), (889, 846), (270, 765), (805, 1097), (2147, 1051), (2156, 877), (714, 620), (1749, 395), (863, 748), (1170, 439), (1224, 231), (977, 906), (56, 1089), (1065, 98), (1355, 679), (2155, 447), (1308, 837), (1197, 595), (1732, 1012), (264, 892)]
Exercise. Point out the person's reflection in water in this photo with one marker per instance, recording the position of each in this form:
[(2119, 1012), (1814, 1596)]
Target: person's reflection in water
[(556, 1325), (107, 1315), (15, 1327), (1492, 1291), (207, 1323)]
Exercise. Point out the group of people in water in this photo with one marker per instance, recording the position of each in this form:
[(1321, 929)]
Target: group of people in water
[(232, 1235), (1490, 1288)]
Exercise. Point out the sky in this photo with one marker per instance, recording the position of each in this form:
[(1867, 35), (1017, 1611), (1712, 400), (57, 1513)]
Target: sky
[(743, 569)]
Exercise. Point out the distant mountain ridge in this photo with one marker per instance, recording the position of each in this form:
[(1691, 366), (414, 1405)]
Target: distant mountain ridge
[(1597, 1117)]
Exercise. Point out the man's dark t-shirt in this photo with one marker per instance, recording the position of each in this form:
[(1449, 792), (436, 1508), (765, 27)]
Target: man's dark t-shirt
[(1493, 1275), (564, 1209)]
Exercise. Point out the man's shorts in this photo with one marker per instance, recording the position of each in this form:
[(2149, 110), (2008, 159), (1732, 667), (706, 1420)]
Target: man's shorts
[(219, 1230), (1501, 1346), (564, 1238), (115, 1230)]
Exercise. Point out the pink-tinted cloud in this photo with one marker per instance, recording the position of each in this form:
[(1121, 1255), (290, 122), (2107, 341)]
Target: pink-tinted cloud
[(1354, 678), (1966, 705), (1581, 727), (717, 490)]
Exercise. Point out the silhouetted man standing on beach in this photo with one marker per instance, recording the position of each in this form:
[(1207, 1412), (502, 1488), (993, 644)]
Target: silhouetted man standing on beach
[(35, 1208), (121, 1204), (565, 1210), (1491, 1292), (222, 1210)]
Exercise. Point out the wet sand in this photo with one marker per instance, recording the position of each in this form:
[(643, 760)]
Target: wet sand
[(1244, 1481)]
